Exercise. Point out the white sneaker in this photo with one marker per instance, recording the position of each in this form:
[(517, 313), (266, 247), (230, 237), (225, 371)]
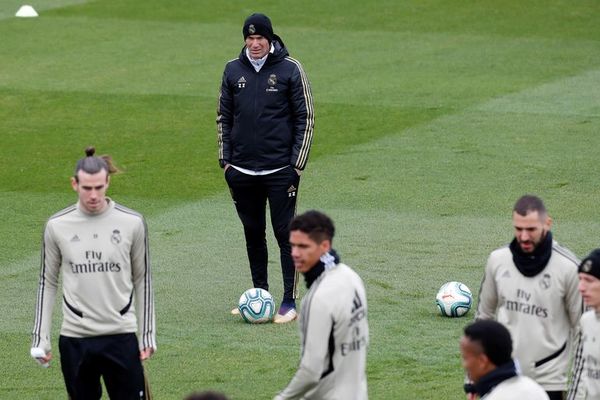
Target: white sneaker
[(289, 316)]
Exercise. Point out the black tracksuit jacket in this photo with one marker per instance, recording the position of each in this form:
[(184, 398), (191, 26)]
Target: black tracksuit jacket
[(265, 119)]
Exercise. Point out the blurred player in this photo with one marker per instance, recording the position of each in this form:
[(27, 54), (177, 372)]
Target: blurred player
[(333, 319), (530, 286), (101, 250), (586, 377), (486, 349)]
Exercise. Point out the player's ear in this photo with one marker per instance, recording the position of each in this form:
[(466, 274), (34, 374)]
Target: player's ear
[(74, 183), (325, 246), (548, 222)]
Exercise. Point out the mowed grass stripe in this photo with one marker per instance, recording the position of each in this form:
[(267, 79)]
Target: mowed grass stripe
[(111, 56), (166, 146), (471, 163), (389, 148), (473, 159), (577, 95), (402, 69), (536, 18)]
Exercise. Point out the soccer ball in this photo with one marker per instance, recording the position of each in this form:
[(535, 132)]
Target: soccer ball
[(256, 306), (454, 299)]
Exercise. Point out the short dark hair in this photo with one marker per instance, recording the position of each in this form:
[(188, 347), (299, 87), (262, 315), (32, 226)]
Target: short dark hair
[(529, 203), (92, 164), (494, 339), (315, 224)]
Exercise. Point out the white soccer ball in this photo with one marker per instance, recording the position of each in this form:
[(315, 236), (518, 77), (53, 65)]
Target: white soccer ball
[(256, 306), (454, 299)]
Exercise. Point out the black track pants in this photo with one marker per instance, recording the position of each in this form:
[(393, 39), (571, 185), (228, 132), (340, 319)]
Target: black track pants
[(115, 358), (250, 194)]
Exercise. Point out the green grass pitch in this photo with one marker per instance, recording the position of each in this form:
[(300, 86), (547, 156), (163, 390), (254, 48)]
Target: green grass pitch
[(432, 117)]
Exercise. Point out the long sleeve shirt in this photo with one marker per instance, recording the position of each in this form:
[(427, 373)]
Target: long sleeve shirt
[(541, 312), (106, 277), (335, 337)]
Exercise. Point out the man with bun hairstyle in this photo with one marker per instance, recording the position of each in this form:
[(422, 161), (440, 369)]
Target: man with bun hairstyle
[(101, 250), (334, 327), (264, 132), (586, 376), (530, 286), (486, 349)]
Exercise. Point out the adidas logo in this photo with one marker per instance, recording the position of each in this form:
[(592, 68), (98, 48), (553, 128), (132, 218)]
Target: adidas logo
[(358, 310), (291, 191), (75, 239), (241, 83), (356, 303)]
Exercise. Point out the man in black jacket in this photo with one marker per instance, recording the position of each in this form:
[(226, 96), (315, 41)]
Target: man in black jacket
[(265, 126)]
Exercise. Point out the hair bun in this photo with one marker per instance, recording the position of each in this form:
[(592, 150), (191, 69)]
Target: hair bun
[(89, 151)]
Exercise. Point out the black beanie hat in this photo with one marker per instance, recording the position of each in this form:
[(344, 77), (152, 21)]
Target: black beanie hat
[(258, 24), (591, 264)]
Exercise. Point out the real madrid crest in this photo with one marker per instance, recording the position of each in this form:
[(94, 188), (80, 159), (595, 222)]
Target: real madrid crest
[(272, 81), (116, 237), (545, 282), (587, 266), (251, 29)]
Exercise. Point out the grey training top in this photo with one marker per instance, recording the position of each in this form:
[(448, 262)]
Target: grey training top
[(106, 276)]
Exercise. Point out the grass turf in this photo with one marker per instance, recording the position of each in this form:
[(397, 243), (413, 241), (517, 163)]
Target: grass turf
[(432, 118)]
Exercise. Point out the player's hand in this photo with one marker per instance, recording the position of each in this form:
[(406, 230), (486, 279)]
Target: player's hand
[(298, 171), (39, 355), (146, 353), (471, 396), (226, 167)]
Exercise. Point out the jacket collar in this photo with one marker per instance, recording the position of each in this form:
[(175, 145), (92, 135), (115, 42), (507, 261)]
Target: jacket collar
[(494, 378), (327, 261)]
